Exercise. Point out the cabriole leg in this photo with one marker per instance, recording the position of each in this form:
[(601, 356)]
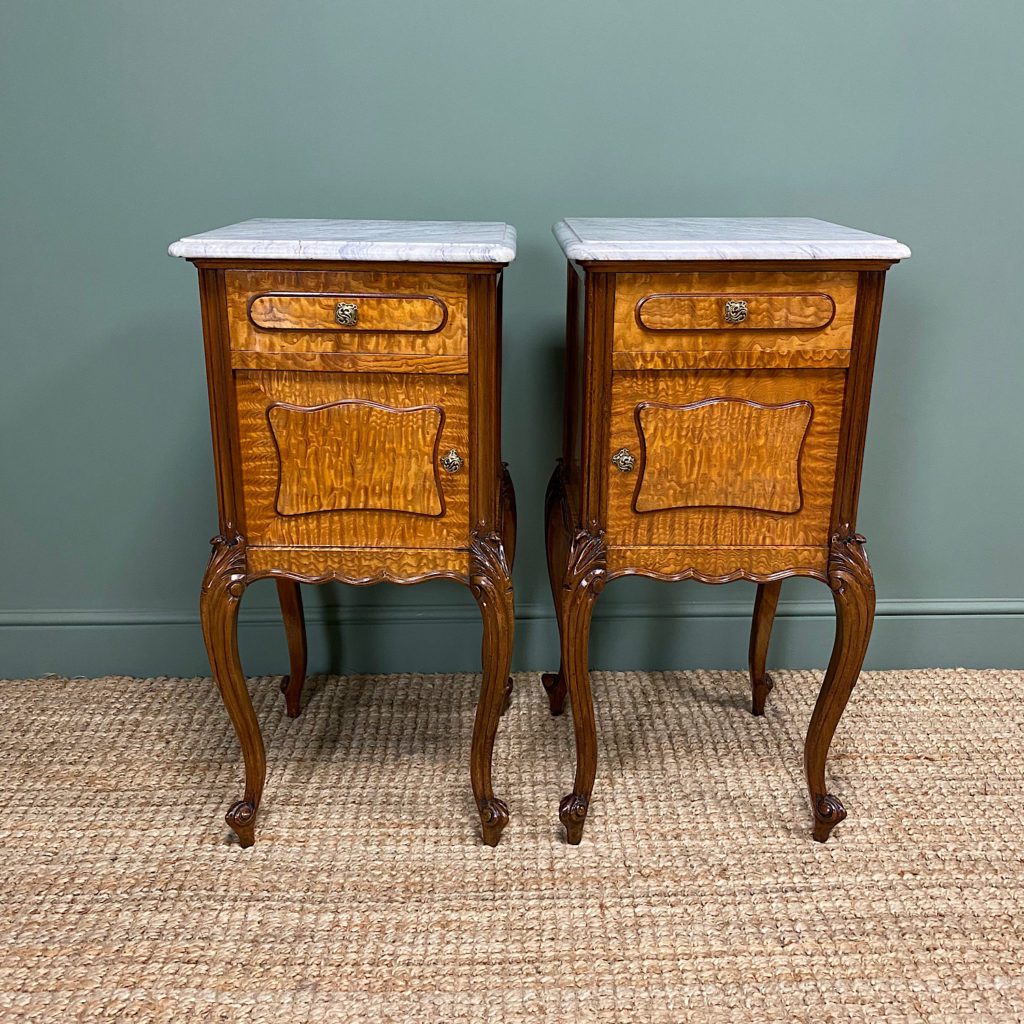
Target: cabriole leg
[(853, 589), (556, 536), (760, 635), (290, 598), (491, 584), (584, 580), (223, 586)]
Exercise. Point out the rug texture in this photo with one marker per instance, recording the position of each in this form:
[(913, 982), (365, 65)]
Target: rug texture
[(697, 894)]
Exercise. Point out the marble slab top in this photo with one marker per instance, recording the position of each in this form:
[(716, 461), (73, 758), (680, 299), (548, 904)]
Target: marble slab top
[(720, 238), (420, 241)]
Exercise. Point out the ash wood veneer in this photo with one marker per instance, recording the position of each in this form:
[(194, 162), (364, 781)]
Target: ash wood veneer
[(699, 448), (359, 448)]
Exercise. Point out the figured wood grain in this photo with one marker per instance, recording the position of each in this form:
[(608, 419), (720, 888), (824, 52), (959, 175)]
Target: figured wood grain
[(745, 357), (386, 333), (315, 311), (220, 384), (398, 446), (710, 564), (724, 527), (766, 311), (332, 457), (795, 340), (596, 372), (359, 566), (487, 472), (349, 362), (853, 431), (726, 452)]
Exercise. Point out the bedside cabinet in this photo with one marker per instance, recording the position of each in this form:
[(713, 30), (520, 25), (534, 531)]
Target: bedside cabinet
[(717, 383), (355, 398)]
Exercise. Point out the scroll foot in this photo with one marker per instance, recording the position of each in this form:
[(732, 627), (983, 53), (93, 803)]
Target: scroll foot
[(493, 819), (828, 812), (573, 813), (241, 817)]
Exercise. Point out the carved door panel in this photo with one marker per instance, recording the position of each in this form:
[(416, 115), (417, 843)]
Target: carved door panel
[(738, 458), (354, 460)]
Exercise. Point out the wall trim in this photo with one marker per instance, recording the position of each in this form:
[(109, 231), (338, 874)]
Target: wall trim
[(892, 607), (359, 638)]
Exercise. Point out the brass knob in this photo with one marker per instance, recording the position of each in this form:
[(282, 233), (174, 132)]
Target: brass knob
[(347, 314), (451, 461), (624, 460), (735, 311)]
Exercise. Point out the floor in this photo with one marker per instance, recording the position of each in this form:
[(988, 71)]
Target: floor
[(697, 894)]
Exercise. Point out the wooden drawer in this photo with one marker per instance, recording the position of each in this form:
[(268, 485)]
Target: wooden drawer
[(353, 460), (733, 320), (354, 321), (740, 458)]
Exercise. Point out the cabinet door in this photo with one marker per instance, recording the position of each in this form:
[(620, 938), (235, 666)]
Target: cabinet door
[(354, 460), (741, 458)]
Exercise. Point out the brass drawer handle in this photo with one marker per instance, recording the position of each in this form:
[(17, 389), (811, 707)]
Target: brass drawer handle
[(346, 314), (624, 460), (735, 311), (452, 461)]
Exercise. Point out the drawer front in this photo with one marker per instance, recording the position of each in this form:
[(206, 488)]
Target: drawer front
[(733, 320), (347, 312), (354, 460), (744, 458), (347, 320)]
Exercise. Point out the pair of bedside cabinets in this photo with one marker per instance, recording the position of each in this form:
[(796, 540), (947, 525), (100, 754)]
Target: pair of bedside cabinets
[(718, 373)]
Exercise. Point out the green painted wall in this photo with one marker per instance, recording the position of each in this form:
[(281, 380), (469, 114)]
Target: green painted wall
[(126, 125)]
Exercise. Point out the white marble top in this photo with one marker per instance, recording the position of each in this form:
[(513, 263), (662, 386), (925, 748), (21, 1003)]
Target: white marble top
[(421, 241), (720, 238)]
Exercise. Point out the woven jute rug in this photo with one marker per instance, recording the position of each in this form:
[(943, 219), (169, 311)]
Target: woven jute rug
[(697, 894)]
